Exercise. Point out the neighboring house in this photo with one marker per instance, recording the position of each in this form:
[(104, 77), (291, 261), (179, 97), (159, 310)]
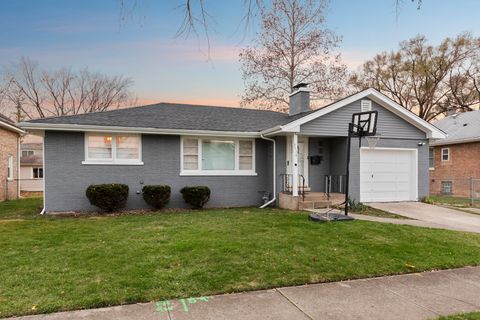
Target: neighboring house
[(31, 167), (454, 161), (239, 153), (9, 169)]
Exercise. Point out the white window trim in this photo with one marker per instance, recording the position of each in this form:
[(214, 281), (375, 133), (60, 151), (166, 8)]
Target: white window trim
[(431, 168), (235, 172), (10, 166), (32, 173), (448, 154), (27, 150), (113, 160)]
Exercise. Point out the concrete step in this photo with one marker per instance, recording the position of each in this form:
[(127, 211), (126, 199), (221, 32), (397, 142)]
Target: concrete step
[(304, 205)]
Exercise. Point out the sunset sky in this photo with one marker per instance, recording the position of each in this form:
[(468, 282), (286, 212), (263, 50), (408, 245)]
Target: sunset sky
[(90, 33)]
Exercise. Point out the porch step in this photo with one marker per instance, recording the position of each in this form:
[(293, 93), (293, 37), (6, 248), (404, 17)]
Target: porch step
[(304, 205)]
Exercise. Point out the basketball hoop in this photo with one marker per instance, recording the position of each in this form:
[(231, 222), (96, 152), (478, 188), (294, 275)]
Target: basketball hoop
[(372, 141), (364, 124)]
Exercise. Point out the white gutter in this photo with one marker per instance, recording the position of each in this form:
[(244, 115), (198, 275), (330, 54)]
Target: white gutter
[(457, 141), (274, 173), (43, 182), (11, 127), (18, 166), (95, 128)]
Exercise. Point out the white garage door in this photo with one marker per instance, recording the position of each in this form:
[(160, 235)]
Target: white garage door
[(388, 175)]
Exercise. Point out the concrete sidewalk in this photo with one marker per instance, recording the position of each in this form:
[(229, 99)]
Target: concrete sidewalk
[(414, 296)]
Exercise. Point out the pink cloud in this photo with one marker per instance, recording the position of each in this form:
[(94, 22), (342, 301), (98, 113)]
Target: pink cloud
[(355, 58)]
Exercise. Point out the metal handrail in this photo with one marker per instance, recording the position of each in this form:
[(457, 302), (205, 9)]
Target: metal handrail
[(303, 186), (286, 185), (334, 183)]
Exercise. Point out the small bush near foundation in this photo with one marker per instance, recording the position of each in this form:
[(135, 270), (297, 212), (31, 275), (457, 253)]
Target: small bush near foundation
[(355, 205), (156, 196), (428, 200), (197, 196), (108, 197)]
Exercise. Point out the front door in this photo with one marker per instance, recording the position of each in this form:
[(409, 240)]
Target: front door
[(302, 158)]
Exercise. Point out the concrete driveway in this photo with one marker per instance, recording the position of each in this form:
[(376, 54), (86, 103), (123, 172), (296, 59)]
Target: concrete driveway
[(435, 216)]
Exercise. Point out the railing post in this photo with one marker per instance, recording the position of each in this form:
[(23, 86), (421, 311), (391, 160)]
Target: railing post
[(295, 165)]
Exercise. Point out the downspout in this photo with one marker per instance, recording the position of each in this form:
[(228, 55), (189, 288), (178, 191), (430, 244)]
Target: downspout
[(274, 172), (43, 166), (18, 165)]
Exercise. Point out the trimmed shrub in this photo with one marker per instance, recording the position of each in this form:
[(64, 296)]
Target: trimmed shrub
[(196, 196), (156, 196), (108, 197)]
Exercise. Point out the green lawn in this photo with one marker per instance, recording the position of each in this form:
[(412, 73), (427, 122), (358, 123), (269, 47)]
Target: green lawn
[(455, 201), (369, 211), (21, 209), (52, 264), (464, 316)]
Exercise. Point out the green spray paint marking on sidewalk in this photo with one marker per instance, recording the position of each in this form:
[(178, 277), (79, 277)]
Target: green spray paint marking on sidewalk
[(167, 305)]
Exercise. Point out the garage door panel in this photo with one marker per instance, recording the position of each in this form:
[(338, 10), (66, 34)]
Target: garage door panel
[(387, 175)]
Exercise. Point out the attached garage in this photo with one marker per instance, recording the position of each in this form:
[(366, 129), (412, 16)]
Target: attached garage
[(388, 174)]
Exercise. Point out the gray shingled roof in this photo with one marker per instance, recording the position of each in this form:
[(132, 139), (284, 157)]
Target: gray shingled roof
[(459, 127), (180, 116)]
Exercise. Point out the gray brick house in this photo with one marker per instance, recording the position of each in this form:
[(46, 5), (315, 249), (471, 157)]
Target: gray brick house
[(239, 153)]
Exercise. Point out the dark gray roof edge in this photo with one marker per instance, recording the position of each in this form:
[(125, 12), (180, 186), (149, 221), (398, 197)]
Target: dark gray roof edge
[(40, 120)]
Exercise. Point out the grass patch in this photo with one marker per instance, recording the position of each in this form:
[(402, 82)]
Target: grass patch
[(453, 201), (463, 316), (20, 209), (54, 264)]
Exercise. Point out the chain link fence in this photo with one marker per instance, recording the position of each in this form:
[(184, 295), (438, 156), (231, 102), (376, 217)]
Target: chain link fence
[(456, 191)]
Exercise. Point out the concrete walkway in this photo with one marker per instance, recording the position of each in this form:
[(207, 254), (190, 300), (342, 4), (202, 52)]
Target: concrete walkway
[(434, 216), (414, 296)]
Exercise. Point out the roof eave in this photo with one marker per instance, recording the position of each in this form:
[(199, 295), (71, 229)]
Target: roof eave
[(457, 141), (96, 128), (11, 127), (431, 131)]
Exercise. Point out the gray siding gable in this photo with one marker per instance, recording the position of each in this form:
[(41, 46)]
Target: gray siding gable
[(336, 123)]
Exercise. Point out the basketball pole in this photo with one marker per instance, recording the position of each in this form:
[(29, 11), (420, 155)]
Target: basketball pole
[(349, 143)]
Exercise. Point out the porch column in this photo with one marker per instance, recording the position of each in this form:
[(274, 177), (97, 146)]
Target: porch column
[(295, 165)]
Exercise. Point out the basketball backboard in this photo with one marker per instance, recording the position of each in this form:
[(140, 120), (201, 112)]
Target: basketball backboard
[(364, 124)]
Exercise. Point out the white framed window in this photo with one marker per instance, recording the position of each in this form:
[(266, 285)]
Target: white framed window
[(116, 148), (10, 167), (37, 173), (365, 105), (27, 153), (445, 154), (431, 158), (217, 156)]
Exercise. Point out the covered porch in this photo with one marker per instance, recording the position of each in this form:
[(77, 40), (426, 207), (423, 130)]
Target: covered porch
[(313, 172)]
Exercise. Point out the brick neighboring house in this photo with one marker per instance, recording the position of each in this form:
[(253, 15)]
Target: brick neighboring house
[(454, 161), (31, 165), (10, 136)]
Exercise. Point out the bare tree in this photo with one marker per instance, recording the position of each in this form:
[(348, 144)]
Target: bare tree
[(197, 19), (34, 93), (426, 79), (293, 46)]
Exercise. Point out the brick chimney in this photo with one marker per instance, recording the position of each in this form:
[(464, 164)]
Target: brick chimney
[(299, 99)]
